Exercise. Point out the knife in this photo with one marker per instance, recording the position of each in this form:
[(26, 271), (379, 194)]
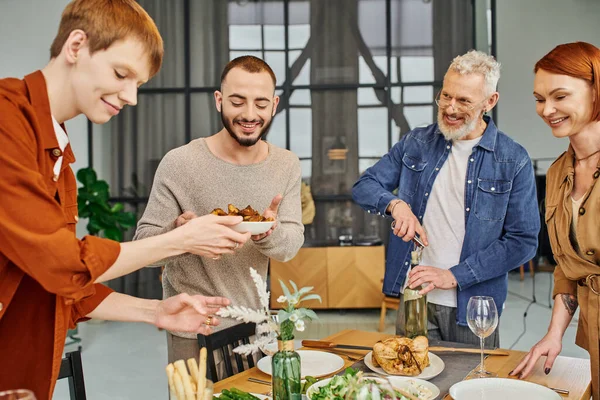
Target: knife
[(320, 344)]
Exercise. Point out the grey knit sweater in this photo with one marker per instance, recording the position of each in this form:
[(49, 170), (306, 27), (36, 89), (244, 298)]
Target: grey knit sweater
[(192, 178)]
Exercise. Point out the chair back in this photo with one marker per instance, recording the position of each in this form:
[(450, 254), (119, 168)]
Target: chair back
[(223, 342), (72, 368)]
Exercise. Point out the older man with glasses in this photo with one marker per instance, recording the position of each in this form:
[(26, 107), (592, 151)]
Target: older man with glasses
[(468, 191)]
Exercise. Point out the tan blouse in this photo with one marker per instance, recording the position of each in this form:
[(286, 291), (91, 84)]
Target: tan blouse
[(577, 265)]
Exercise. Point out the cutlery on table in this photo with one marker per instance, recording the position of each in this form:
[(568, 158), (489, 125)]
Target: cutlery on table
[(259, 381)]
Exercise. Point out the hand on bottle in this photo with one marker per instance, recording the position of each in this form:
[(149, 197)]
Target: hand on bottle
[(436, 278)]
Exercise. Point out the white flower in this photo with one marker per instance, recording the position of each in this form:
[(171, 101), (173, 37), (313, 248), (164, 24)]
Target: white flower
[(299, 325), (281, 299), (293, 301), (293, 317)]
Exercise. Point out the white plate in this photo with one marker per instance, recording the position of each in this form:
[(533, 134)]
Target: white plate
[(398, 382), (260, 396), (255, 228), (435, 367), (500, 389), (313, 363)]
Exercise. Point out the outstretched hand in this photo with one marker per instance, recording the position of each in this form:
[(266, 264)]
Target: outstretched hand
[(270, 212), (185, 313), (550, 346)]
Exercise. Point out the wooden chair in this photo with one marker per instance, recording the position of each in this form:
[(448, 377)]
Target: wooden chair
[(72, 368), (224, 341), (531, 269), (387, 302)]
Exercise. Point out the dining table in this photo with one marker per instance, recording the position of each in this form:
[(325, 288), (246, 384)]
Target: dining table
[(568, 374)]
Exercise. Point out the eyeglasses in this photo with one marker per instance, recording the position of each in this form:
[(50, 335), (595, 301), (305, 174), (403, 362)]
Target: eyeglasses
[(461, 106)]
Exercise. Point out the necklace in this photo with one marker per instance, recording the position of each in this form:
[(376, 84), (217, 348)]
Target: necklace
[(586, 157)]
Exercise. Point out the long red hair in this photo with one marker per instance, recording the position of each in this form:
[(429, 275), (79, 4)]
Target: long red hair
[(580, 60)]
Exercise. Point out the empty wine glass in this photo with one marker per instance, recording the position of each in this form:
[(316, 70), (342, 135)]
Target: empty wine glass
[(266, 335), (482, 318), (18, 394), (371, 387)]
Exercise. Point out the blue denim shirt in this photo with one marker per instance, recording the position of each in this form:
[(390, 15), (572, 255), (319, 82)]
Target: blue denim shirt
[(501, 212)]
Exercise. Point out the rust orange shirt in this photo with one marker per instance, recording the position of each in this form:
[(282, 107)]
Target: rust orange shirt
[(46, 274)]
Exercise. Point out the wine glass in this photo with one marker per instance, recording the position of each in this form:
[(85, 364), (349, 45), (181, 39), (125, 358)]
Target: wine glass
[(482, 318), (371, 387), (18, 394), (267, 336)]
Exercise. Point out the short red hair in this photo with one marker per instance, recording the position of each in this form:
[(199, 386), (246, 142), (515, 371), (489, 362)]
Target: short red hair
[(580, 60), (107, 21)]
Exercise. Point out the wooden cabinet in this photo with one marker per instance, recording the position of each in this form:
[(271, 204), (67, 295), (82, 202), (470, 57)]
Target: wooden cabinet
[(344, 277)]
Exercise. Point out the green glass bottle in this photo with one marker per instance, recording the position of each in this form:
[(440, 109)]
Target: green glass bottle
[(415, 305), (286, 373)]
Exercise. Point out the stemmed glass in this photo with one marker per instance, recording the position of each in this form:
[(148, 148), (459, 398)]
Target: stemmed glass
[(18, 394), (268, 337), (482, 318), (371, 387)]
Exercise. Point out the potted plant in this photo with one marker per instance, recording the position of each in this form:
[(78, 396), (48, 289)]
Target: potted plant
[(104, 219)]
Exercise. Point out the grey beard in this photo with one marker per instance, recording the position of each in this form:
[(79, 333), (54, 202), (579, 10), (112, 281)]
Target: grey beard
[(459, 133)]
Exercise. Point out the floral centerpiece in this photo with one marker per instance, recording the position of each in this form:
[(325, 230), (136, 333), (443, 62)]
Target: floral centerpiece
[(285, 362)]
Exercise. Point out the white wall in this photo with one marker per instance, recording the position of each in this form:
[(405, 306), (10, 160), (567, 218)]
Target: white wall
[(526, 31), (27, 28)]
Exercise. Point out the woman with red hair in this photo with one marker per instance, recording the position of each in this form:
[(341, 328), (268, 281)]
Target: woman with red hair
[(567, 92)]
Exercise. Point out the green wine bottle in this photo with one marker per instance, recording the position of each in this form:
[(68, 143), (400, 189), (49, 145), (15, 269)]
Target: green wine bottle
[(415, 304)]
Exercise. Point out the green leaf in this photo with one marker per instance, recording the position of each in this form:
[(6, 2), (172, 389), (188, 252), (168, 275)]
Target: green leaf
[(87, 176), (113, 234), (305, 290), (287, 330), (93, 227), (283, 315), (310, 314), (100, 191), (294, 286), (286, 291), (117, 207), (126, 219), (312, 297)]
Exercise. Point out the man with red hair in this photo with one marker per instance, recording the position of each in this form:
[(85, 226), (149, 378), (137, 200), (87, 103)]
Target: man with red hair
[(49, 280)]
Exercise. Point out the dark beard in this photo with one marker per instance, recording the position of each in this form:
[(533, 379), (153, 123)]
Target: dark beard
[(242, 141)]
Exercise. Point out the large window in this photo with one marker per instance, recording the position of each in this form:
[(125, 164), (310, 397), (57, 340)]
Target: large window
[(353, 76)]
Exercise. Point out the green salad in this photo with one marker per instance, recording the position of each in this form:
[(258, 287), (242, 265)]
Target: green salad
[(336, 388)]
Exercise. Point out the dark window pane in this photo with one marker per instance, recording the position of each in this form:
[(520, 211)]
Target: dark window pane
[(168, 17), (205, 118), (209, 42)]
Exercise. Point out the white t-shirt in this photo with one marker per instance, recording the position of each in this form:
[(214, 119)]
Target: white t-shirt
[(63, 140), (444, 219)]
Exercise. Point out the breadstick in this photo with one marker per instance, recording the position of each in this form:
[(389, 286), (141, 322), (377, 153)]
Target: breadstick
[(170, 371), (193, 367), (179, 386), (185, 378), (201, 374)]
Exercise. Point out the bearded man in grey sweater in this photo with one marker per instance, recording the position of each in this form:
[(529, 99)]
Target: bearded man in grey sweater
[(233, 166)]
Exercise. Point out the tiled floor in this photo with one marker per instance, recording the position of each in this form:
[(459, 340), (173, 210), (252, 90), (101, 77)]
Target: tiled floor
[(126, 361)]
